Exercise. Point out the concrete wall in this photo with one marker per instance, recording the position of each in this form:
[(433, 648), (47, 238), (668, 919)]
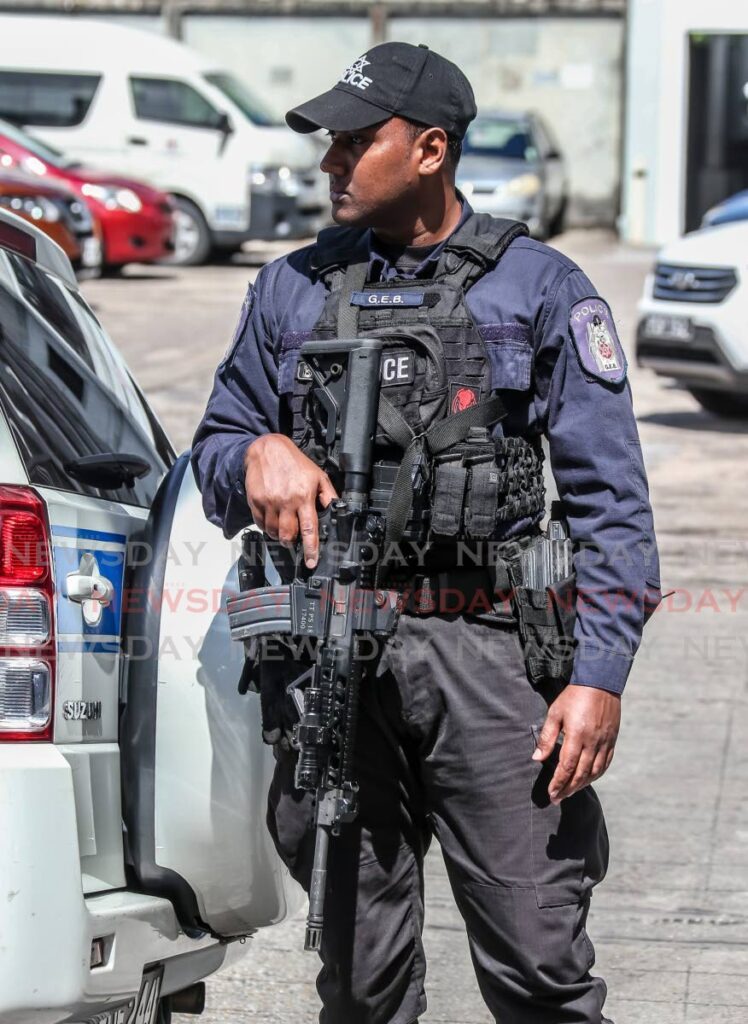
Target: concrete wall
[(568, 69), (654, 174)]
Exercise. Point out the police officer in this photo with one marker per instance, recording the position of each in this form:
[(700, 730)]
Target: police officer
[(454, 742)]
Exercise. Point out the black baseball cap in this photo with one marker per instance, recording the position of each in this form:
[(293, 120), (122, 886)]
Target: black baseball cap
[(392, 79)]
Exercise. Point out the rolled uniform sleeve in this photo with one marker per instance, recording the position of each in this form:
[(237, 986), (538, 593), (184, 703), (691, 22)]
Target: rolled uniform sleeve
[(243, 405), (597, 463)]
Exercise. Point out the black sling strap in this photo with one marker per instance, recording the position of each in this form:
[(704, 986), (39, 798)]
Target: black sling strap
[(354, 280), (440, 435), (341, 260)]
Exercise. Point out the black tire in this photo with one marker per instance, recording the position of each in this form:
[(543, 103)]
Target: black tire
[(544, 232), (192, 241), (558, 224), (223, 254), (111, 269), (725, 404)]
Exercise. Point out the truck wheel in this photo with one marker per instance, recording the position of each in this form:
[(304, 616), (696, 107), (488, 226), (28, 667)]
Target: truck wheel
[(192, 242), (726, 404)]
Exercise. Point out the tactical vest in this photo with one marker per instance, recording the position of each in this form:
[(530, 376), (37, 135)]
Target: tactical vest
[(444, 469)]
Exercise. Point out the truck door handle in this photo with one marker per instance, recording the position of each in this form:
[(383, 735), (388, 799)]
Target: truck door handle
[(82, 587), (137, 140)]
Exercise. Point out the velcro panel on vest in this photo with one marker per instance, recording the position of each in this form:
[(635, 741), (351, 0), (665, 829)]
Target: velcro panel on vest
[(483, 499), (450, 481)]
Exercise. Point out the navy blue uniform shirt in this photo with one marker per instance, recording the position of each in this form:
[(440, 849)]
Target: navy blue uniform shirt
[(522, 308)]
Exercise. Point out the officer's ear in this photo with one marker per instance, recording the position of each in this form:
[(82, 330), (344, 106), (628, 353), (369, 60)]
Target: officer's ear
[(433, 145)]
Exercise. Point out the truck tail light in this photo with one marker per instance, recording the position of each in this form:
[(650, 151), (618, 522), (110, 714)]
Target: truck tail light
[(27, 639)]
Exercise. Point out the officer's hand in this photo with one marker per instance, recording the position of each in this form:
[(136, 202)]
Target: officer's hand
[(282, 487), (590, 720)]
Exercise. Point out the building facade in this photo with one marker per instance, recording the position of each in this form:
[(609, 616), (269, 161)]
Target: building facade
[(686, 124), (562, 58)]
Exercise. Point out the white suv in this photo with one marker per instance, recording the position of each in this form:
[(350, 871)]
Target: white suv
[(133, 778), (693, 317)]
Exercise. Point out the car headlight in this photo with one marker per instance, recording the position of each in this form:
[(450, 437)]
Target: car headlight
[(114, 198), (274, 180), (524, 185), (33, 165), (35, 207)]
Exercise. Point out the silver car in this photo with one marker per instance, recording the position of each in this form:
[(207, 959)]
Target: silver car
[(511, 166)]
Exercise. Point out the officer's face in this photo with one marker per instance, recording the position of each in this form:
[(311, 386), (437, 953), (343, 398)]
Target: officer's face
[(376, 173)]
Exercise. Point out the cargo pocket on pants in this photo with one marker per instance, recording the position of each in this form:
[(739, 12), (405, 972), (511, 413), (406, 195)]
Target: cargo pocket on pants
[(569, 841)]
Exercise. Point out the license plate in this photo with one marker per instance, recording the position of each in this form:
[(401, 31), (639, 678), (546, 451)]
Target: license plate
[(231, 216), (91, 254), (674, 328), (143, 1010)]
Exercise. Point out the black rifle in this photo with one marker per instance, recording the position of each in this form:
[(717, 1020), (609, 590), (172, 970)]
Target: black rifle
[(337, 604)]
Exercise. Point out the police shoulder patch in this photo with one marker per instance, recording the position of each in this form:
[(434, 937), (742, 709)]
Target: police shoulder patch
[(593, 332)]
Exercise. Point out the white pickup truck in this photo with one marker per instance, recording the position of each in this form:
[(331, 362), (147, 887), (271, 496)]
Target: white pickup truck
[(133, 852)]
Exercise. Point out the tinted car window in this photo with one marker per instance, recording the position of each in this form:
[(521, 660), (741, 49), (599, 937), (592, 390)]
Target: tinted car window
[(38, 97), (500, 137), (41, 291), (250, 105), (166, 99), (57, 406)]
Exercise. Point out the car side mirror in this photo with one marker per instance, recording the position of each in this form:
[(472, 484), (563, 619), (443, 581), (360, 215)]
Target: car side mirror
[(108, 469), (224, 125), (226, 128)]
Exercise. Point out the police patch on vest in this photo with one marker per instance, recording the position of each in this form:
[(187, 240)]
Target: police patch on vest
[(397, 367), (461, 397), (386, 298), (595, 339)]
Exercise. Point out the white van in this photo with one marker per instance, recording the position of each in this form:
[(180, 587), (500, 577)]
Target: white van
[(150, 107), (133, 778)]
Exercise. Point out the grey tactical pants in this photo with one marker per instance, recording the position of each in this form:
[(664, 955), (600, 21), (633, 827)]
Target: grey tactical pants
[(444, 748)]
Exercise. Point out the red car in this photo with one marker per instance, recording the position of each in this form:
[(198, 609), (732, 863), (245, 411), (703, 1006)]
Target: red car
[(136, 220), (56, 211)]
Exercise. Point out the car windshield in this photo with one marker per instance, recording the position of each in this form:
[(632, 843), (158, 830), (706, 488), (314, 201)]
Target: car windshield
[(244, 98), (502, 137), (34, 146)]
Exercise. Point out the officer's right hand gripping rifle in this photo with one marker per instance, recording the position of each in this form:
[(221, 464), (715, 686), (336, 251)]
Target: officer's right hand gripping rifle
[(335, 608)]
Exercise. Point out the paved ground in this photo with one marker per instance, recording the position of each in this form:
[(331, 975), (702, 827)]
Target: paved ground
[(671, 921)]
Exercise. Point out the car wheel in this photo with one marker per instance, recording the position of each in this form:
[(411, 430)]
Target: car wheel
[(192, 242), (542, 232), (111, 269), (726, 404), (557, 225), (223, 254)]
